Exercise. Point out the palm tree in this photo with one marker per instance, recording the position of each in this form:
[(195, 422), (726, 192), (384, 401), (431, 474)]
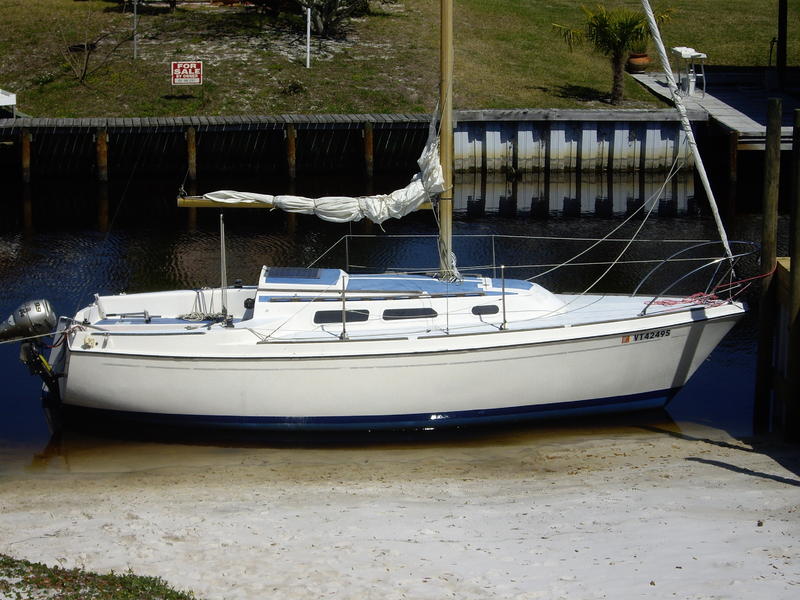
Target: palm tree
[(612, 33)]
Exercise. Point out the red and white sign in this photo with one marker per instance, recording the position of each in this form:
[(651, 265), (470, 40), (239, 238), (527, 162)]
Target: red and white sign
[(187, 72)]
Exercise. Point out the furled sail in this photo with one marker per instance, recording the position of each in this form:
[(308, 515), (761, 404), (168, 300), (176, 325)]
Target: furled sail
[(341, 209)]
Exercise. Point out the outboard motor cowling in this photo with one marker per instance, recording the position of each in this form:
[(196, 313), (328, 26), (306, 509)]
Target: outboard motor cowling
[(35, 317)]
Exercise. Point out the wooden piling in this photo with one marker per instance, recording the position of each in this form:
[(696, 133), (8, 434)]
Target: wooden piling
[(191, 153), (291, 218), (769, 247), (291, 150), (25, 143), (27, 208), (101, 143), (792, 401), (191, 212), (191, 174), (102, 206), (733, 173), (27, 197), (795, 190), (369, 161)]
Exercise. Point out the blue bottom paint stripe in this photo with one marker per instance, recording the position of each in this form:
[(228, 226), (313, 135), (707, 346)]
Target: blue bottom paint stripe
[(633, 402)]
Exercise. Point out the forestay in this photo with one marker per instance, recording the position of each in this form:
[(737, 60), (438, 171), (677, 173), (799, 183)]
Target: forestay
[(687, 127)]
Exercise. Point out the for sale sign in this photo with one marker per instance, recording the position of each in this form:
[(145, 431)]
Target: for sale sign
[(187, 72)]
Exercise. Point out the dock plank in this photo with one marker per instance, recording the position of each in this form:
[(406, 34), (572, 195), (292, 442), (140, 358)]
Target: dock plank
[(735, 107)]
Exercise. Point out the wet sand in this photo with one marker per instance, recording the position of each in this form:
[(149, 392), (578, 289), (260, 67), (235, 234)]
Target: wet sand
[(627, 511)]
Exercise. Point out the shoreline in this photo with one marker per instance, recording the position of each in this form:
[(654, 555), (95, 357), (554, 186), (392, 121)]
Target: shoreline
[(591, 512)]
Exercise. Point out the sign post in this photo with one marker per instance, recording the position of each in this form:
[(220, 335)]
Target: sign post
[(308, 39), (135, 30), (187, 72)]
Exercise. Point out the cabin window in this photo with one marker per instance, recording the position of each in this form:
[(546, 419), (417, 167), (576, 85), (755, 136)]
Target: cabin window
[(292, 273), (485, 309), (394, 314), (335, 316)]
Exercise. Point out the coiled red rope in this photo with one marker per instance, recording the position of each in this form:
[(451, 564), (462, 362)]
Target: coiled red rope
[(712, 298)]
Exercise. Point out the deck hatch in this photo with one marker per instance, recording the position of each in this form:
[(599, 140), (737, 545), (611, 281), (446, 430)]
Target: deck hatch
[(301, 276)]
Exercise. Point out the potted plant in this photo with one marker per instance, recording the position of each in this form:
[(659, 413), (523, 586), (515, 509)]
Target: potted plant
[(612, 33), (638, 58)]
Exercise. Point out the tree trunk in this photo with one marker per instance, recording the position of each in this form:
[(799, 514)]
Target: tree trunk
[(618, 87)]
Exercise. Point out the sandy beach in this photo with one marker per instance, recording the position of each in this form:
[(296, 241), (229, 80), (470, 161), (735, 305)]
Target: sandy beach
[(656, 511)]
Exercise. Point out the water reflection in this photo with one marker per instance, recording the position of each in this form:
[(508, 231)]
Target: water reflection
[(88, 450), (56, 205), (571, 194)]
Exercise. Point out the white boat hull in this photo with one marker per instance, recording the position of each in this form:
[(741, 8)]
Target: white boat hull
[(421, 382)]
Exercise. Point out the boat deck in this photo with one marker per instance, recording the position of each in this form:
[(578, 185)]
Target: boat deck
[(577, 310)]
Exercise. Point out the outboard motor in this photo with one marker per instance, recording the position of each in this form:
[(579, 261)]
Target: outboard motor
[(34, 319), (29, 319)]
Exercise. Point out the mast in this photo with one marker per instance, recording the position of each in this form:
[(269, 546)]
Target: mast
[(446, 138)]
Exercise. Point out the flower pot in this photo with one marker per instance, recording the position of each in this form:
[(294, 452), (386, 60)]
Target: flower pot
[(637, 62)]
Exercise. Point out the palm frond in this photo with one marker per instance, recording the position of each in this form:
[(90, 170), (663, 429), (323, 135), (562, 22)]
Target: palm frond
[(573, 37)]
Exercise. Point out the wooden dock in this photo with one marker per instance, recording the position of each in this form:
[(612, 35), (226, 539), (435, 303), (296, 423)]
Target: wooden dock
[(737, 101)]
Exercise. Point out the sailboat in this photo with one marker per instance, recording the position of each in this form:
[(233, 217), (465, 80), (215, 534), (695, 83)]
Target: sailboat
[(321, 348)]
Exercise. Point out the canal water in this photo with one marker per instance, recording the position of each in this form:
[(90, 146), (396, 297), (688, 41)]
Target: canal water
[(66, 240)]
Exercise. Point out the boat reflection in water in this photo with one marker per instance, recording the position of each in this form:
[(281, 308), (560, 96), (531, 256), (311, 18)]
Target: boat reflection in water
[(98, 448)]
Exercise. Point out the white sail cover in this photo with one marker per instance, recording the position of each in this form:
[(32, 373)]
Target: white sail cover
[(341, 209)]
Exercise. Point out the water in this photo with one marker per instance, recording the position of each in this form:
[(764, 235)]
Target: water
[(64, 254)]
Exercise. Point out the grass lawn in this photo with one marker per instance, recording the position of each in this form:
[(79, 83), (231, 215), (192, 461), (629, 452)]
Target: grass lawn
[(506, 56)]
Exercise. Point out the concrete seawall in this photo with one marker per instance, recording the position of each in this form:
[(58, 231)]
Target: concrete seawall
[(487, 141)]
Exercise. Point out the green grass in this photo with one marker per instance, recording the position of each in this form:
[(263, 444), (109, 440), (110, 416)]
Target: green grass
[(506, 57), (23, 580)]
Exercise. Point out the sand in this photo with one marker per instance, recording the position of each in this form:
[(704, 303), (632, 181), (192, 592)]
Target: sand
[(591, 512)]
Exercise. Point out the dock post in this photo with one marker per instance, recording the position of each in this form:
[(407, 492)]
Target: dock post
[(26, 155), (27, 203), (769, 242), (733, 172), (369, 161), (191, 153), (291, 218), (101, 143), (191, 173), (792, 424), (102, 206), (101, 148), (27, 208), (291, 150)]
